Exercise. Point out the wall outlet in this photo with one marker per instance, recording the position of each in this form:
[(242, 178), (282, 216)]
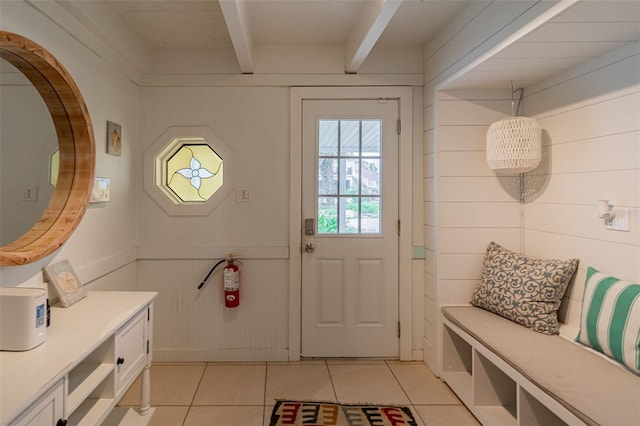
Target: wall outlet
[(30, 193), (621, 221)]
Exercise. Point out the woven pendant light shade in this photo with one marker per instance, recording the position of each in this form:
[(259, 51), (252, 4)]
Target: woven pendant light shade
[(514, 145)]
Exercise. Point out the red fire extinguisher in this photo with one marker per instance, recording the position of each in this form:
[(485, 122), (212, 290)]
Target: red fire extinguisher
[(231, 275)]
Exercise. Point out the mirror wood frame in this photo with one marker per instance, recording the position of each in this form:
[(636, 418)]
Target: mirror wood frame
[(76, 144)]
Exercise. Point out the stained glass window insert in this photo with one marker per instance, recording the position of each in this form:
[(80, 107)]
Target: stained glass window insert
[(349, 176), (194, 172), (54, 167)]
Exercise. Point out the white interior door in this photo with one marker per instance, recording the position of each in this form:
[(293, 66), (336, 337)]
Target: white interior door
[(350, 228)]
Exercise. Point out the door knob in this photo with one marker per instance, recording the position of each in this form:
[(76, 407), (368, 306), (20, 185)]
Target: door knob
[(120, 361), (309, 248)]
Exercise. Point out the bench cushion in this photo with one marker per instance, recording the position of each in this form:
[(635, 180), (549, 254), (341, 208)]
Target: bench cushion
[(593, 388)]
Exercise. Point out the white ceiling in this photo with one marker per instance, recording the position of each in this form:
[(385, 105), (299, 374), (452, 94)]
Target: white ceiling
[(356, 25), (201, 23), (175, 23), (584, 31)]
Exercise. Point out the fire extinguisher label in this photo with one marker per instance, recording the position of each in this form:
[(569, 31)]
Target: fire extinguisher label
[(231, 280)]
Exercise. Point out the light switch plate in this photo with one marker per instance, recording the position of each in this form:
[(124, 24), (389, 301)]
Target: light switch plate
[(243, 195), (30, 193), (620, 221)]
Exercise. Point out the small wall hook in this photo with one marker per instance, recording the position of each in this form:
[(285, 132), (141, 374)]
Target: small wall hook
[(605, 211)]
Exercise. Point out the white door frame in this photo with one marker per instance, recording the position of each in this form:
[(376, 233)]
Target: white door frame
[(404, 96)]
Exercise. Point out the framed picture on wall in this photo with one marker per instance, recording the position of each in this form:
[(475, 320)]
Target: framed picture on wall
[(101, 192), (65, 282), (114, 138)]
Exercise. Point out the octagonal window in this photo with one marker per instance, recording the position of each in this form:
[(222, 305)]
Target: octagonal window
[(188, 171), (194, 172)]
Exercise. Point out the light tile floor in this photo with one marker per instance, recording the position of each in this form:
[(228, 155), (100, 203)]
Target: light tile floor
[(194, 394)]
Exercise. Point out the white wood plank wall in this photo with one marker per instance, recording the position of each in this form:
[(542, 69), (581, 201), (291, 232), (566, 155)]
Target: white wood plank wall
[(586, 111), (472, 33), (473, 207), (591, 120), (194, 325)]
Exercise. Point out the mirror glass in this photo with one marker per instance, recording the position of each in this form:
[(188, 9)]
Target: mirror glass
[(27, 141), (27, 153)]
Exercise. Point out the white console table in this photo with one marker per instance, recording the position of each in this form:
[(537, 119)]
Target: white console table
[(93, 352)]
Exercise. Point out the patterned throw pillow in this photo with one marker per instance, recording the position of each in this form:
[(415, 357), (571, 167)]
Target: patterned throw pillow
[(610, 318), (523, 289)]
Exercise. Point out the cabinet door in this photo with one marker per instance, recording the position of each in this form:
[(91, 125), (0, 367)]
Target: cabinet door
[(130, 350), (46, 411)]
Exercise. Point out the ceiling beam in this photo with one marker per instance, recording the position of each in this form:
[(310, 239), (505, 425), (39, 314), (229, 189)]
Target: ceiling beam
[(235, 16), (367, 31)]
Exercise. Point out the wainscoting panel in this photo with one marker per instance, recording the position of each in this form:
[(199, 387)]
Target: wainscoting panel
[(193, 325)]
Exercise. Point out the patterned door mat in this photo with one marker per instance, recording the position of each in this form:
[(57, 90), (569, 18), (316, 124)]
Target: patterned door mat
[(333, 414)]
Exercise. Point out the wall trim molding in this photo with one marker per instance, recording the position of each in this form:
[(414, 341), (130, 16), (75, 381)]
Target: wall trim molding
[(90, 272), (405, 200), (212, 252), (279, 80)]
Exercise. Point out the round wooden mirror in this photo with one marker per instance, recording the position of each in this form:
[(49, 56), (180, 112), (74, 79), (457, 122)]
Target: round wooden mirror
[(75, 143)]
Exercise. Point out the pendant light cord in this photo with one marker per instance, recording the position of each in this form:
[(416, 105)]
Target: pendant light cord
[(515, 110), (522, 223)]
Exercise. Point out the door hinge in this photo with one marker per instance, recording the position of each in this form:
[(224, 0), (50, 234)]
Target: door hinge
[(147, 347), (148, 314), (399, 126), (398, 226), (399, 329)]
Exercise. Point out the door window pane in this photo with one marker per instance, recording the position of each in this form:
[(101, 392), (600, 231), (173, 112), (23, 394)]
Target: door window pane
[(327, 215), (327, 176), (370, 176), (328, 138), (370, 214), (371, 138), (349, 219), (349, 138), (349, 176)]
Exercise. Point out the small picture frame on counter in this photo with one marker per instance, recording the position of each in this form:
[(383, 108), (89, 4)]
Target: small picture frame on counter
[(65, 282)]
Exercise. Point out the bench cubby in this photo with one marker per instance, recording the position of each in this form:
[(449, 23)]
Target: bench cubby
[(487, 385), (507, 374)]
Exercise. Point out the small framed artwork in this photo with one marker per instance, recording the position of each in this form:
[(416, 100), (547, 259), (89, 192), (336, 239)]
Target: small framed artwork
[(101, 192), (65, 282), (114, 138)]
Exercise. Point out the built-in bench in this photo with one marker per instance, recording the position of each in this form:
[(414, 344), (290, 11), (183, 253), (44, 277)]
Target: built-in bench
[(507, 374)]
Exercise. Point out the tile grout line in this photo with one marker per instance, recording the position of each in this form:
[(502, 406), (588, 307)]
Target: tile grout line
[(186, 416), (264, 395), (204, 370), (411, 404), (333, 386)]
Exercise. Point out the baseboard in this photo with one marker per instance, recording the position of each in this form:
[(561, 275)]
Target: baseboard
[(430, 356)]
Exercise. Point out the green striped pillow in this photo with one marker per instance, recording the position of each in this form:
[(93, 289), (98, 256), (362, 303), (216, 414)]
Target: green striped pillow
[(610, 318)]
